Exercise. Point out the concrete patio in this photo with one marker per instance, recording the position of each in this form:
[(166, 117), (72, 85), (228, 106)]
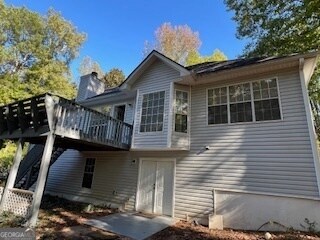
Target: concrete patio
[(133, 225)]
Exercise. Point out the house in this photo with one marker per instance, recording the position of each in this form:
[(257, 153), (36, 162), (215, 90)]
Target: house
[(233, 138)]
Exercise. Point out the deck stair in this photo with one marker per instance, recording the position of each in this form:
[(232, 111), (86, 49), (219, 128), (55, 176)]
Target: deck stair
[(51, 124), (30, 166)]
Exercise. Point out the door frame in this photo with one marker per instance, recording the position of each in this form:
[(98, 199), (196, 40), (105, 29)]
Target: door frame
[(112, 112), (173, 160)]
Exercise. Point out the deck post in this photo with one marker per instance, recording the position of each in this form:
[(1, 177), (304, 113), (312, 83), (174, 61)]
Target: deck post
[(13, 172), (41, 181)]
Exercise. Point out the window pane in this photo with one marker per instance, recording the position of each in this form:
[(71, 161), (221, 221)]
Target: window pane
[(267, 110), (240, 107), (267, 105), (88, 173), (152, 108), (273, 92), (257, 94), (240, 112), (181, 113), (217, 114)]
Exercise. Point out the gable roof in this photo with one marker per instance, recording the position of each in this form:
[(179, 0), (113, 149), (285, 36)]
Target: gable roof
[(154, 55)]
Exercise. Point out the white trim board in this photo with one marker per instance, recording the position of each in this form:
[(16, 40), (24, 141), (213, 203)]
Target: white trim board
[(304, 81)]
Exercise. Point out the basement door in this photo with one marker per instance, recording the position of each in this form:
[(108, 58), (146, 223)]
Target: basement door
[(156, 181)]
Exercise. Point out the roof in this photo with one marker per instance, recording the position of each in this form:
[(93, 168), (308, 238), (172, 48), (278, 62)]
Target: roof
[(216, 66), (108, 91), (198, 69)]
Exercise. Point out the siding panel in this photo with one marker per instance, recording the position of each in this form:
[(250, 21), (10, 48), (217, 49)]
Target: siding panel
[(157, 78), (273, 157), (114, 180)]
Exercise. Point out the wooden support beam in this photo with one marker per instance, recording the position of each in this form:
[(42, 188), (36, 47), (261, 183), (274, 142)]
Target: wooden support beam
[(34, 114), (3, 123), (41, 181), (21, 114), (13, 172)]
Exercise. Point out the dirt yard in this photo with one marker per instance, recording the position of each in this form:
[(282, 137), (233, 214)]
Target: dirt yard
[(63, 219)]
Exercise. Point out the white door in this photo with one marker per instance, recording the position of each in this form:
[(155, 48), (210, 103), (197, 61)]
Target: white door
[(156, 187), (147, 186)]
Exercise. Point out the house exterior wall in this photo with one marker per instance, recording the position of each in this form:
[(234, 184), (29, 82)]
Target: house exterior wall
[(271, 158), (158, 77), (254, 211), (114, 179)]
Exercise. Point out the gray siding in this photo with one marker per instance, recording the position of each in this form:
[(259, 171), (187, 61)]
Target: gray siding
[(157, 78), (272, 157), (114, 180)]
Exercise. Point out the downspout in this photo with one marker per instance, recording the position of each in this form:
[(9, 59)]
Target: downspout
[(312, 133)]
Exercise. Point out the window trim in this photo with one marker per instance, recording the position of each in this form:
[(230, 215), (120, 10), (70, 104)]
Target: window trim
[(174, 113), (85, 189), (252, 102), (140, 117)]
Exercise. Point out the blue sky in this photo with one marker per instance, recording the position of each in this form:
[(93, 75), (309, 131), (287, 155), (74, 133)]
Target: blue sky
[(117, 29)]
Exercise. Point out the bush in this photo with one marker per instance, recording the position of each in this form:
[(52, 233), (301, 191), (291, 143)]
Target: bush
[(9, 219), (6, 158)]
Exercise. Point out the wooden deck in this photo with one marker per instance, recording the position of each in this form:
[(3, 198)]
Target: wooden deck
[(74, 126)]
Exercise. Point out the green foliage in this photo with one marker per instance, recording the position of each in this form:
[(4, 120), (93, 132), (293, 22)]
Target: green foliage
[(8, 219), (280, 28), (114, 77), (88, 65), (277, 27), (6, 156), (35, 53), (196, 58)]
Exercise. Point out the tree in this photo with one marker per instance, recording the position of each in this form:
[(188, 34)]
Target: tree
[(114, 77), (180, 44), (277, 27), (35, 53), (88, 65), (196, 58), (280, 28), (176, 42)]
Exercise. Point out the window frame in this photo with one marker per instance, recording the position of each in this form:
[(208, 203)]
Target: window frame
[(174, 113), (140, 117), (84, 172), (252, 103), (207, 103)]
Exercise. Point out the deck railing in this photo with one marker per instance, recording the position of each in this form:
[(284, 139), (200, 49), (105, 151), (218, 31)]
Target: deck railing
[(23, 115), (66, 118), (76, 121)]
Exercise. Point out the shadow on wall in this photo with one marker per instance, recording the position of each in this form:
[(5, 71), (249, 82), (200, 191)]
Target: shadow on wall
[(114, 180)]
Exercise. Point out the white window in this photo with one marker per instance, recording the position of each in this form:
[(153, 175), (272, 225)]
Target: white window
[(266, 100), (246, 102), (240, 103), (181, 112), (152, 112), (88, 173), (217, 106)]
